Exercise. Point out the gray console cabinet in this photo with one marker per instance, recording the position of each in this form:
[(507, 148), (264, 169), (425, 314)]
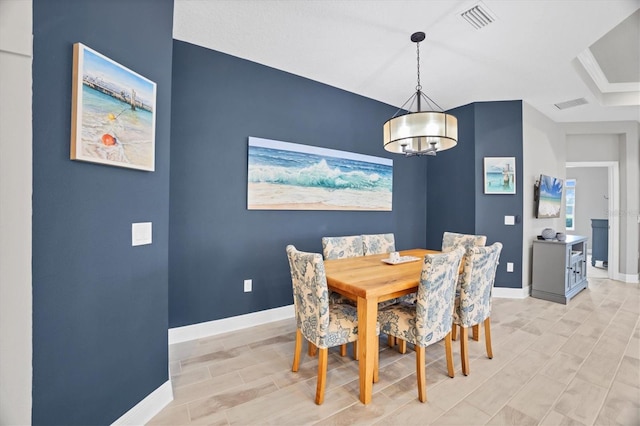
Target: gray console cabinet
[(559, 268)]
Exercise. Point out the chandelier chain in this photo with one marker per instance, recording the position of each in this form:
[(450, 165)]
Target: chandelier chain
[(419, 86)]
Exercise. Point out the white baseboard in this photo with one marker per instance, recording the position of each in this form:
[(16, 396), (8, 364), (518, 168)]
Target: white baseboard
[(511, 293), (225, 325), (626, 278), (151, 405)]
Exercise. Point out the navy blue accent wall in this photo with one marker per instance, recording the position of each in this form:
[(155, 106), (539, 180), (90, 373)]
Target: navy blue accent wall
[(455, 184), (450, 188), (498, 133), (216, 243), (99, 305)]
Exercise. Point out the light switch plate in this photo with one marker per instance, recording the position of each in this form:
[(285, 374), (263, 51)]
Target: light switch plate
[(509, 220), (509, 266), (141, 233)]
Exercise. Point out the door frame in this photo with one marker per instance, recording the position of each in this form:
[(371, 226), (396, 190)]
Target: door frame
[(613, 184)]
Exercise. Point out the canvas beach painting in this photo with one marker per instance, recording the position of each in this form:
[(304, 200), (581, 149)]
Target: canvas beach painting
[(113, 117), (289, 176), (499, 175), (549, 197)]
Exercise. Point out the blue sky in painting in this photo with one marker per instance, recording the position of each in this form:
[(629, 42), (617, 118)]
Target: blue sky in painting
[(98, 66)]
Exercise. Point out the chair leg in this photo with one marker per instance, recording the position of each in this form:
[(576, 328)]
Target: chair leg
[(422, 375), (454, 332), (391, 340), (464, 353), (402, 346), (322, 374), (476, 332), (343, 350), (312, 349), (449, 354), (355, 350), (296, 351), (487, 337)]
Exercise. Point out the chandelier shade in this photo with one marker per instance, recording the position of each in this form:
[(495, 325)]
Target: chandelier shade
[(421, 132)]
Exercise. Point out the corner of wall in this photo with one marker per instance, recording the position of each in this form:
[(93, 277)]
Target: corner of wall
[(15, 213)]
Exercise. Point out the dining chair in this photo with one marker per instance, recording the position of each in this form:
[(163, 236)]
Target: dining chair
[(319, 322), (378, 244), (452, 240), (338, 248), (473, 304), (428, 320)]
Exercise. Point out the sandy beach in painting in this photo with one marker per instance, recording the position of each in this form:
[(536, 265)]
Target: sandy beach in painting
[(270, 196), (286, 176)]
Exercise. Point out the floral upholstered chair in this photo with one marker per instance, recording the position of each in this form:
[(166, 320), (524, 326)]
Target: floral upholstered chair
[(473, 305), (378, 244), (338, 248), (323, 324), (452, 240), (428, 320)]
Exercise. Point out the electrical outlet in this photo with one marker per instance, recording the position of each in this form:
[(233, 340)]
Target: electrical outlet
[(509, 266), (247, 285)]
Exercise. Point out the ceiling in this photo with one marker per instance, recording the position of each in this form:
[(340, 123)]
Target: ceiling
[(542, 52)]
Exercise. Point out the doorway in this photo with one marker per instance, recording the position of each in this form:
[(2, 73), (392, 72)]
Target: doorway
[(613, 206)]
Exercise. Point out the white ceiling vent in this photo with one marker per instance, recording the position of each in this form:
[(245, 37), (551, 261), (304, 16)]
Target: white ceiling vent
[(479, 16), (572, 103)]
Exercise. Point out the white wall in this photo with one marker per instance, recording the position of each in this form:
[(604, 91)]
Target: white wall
[(592, 194), (593, 142), (544, 152), (15, 211)]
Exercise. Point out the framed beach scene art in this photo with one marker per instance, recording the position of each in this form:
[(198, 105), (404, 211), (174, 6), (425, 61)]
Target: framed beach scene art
[(289, 176), (548, 194), (113, 116), (499, 175)]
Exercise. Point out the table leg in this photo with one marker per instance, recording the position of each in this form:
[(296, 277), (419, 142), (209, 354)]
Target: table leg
[(367, 317)]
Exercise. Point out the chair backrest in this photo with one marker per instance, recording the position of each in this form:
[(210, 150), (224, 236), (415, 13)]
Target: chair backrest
[(339, 247), (436, 296), (310, 294), (378, 244), (476, 283), (451, 240)]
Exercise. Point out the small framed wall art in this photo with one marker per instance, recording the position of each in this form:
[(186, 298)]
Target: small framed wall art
[(499, 175), (113, 113)]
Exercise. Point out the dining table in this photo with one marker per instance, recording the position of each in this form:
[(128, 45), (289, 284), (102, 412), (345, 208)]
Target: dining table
[(369, 280)]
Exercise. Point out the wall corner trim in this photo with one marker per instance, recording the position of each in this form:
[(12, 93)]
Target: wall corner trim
[(151, 405), (225, 325), (511, 293)]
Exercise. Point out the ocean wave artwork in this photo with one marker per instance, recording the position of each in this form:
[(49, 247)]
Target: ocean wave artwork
[(289, 176)]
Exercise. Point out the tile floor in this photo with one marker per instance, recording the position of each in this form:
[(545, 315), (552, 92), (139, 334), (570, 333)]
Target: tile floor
[(575, 364)]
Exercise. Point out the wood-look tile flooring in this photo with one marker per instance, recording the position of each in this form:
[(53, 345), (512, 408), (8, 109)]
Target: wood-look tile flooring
[(554, 364)]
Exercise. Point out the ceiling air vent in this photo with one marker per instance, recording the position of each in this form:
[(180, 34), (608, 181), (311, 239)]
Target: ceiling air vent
[(479, 16), (571, 104)]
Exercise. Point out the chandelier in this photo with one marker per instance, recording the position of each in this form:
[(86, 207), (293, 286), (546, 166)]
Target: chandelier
[(421, 132)]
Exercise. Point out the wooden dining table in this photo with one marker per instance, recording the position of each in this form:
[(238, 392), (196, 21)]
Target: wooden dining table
[(368, 280)]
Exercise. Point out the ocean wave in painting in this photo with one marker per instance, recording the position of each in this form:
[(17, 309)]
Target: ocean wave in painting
[(312, 170)]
